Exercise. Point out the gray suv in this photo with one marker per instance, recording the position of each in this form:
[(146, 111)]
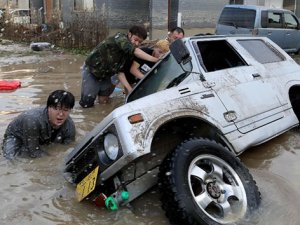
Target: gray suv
[(183, 126), (280, 25)]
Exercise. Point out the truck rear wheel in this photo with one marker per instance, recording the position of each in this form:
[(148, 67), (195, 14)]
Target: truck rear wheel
[(201, 182)]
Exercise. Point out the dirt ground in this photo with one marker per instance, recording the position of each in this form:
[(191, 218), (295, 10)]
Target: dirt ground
[(13, 54)]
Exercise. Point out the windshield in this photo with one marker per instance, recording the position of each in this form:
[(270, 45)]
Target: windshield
[(166, 74)]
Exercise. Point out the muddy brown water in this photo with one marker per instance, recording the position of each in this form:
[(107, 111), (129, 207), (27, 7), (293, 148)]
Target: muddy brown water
[(34, 192)]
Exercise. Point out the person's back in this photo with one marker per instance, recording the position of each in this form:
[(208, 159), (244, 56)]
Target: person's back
[(108, 57)]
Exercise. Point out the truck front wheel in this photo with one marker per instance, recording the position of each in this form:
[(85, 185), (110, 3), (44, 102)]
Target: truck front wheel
[(201, 182)]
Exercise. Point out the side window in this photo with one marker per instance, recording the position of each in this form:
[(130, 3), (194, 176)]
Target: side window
[(218, 55), (290, 21), (261, 51), (274, 20)]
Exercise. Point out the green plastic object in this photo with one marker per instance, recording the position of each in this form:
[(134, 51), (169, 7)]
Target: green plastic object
[(111, 203), (124, 195)]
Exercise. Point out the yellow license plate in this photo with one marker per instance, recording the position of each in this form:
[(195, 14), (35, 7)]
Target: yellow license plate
[(87, 185)]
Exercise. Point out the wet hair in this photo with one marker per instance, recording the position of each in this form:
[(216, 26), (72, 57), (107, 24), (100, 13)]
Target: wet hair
[(61, 98), (178, 29), (138, 31)]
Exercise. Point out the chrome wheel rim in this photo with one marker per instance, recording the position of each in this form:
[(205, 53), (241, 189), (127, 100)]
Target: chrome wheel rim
[(217, 189)]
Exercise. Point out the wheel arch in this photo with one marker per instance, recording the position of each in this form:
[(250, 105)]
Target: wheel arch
[(170, 132), (294, 95)]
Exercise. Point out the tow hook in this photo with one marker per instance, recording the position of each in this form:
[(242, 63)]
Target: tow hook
[(116, 199)]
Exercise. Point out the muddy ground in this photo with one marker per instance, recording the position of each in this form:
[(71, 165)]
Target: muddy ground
[(34, 192)]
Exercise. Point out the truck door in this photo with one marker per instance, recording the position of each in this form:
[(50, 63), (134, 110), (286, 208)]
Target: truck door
[(272, 27), (249, 99), (292, 32)]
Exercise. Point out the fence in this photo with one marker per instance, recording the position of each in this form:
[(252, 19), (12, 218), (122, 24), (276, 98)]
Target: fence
[(84, 31)]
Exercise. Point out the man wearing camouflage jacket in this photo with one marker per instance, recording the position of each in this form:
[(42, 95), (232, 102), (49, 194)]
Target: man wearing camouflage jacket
[(108, 59)]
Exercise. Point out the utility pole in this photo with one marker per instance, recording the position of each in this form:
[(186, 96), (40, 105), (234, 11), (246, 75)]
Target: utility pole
[(172, 13)]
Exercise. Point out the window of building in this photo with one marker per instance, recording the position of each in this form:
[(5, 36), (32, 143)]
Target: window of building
[(83, 5)]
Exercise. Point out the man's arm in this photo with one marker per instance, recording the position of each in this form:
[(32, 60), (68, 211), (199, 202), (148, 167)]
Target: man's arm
[(142, 55), (134, 70), (31, 138), (123, 80)]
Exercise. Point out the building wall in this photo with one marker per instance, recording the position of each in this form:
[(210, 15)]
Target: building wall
[(159, 14), (297, 10), (23, 4), (124, 13), (36, 4), (4, 4), (274, 3), (153, 14), (200, 13)]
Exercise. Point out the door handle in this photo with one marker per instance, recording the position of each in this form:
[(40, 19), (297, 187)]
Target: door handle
[(256, 75)]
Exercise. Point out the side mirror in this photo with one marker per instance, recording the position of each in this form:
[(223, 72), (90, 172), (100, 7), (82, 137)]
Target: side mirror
[(180, 52)]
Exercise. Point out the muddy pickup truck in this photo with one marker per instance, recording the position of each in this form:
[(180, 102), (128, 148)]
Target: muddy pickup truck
[(184, 125)]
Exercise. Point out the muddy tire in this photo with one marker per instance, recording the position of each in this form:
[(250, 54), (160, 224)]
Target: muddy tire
[(201, 182)]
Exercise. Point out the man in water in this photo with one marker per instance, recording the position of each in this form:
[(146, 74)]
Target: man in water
[(40, 126)]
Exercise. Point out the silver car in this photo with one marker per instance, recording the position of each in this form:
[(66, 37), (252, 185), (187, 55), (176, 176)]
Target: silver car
[(280, 25)]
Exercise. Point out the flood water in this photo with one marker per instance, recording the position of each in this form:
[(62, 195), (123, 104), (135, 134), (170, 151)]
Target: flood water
[(34, 192)]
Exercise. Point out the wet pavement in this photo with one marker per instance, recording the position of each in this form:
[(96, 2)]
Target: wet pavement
[(34, 192)]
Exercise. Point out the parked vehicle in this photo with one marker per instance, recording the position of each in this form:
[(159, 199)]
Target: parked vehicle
[(280, 25), (20, 16), (183, 126)]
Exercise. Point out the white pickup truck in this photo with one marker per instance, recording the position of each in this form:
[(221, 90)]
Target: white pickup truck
[(184, 125)]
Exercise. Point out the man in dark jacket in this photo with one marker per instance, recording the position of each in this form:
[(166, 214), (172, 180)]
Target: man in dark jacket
[(40, 126), (106, 60)]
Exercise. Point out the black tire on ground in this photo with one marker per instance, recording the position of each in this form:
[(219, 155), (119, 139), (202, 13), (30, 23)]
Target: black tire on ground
[(201, 182)]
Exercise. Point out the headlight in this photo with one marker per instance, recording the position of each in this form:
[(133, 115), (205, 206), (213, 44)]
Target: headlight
[(111, 146)]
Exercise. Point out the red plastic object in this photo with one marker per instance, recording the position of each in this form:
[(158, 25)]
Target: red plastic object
[(100, 200), (9, 85)]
